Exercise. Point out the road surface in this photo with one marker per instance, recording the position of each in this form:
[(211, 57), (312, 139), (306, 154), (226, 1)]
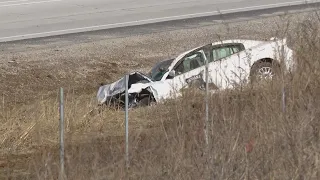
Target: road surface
[(24, 19)]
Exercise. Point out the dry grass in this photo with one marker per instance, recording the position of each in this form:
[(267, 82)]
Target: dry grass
[(251, 137)]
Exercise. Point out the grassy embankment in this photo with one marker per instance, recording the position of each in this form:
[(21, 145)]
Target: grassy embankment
[(166, 141)]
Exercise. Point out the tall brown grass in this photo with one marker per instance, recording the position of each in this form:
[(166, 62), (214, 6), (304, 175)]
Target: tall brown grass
[(253, 133)]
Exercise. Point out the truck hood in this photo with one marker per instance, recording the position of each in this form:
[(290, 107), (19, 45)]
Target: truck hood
[(137, 81)]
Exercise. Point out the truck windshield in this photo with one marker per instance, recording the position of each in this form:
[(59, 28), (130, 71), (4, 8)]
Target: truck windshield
[(159, 70)]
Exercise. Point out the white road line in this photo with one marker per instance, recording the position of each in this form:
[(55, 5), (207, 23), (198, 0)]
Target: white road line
[(7, 2), (152, 20), (28, 3)]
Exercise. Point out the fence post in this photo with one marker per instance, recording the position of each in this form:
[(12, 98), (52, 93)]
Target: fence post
[(61, 110), (283, 100), (207, 102), (126, 120), (206, 129)]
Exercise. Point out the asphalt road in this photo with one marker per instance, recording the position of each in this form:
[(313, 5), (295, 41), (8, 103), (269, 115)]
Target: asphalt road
[(25, 19)]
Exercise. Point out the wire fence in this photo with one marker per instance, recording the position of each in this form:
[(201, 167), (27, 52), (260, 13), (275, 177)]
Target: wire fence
[(126, 119)]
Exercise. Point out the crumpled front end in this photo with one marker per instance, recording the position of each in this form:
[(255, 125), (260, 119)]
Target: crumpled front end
[(114, 94)]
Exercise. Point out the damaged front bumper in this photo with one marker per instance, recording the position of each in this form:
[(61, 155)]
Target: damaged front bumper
[(114, 94)]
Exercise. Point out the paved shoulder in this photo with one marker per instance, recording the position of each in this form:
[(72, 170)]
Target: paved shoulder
[(20, 19)]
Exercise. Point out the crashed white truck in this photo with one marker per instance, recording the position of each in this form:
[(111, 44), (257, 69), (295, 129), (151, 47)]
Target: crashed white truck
[(230, 63)]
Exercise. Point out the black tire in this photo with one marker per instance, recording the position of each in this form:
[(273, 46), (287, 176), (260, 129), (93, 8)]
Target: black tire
[(145, 101), (260, 67)]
